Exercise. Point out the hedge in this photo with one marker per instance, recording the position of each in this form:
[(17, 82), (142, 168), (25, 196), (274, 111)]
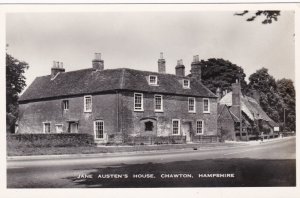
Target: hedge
[(49, 140)]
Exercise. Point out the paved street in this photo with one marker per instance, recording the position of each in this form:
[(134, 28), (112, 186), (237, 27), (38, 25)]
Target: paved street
[(273, 161)]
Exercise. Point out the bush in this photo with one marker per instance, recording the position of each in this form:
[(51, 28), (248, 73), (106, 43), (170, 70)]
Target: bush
[(49, 140)]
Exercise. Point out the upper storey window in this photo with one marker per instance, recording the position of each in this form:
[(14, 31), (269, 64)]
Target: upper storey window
[(152, 80), (87, 103), (206, 105), (186, 83), (138, 102)]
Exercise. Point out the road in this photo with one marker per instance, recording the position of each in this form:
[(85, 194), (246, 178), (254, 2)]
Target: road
[(266, 159)]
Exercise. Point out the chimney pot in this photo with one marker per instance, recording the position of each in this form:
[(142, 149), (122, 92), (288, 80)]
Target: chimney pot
[(196, 68), (97, 63), (161, 64), (180, 68), (56, 68)]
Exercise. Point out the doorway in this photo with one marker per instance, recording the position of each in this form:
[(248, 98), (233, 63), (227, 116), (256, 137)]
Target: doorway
[(73, 127), (186, 127)]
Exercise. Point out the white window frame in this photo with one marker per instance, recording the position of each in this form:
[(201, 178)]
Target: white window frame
[(151, 83), (161, 103), (64, 105), (202, 131), (194, 109), (95, 130), (178, 120), (61, 128), (85, 104), (189, 83), (44, 127), (208, 105), (142, 102)]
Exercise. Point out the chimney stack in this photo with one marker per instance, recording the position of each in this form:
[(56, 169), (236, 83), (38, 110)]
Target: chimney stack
[(179, 69), (196, 68), (56, 68), (161, 64), (98, 64), (236, 100)]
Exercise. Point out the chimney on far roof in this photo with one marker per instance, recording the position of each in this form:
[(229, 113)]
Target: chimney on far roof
[(161, 64), (236, 100), (57, 68), (98, 64), (196, 68), (179, 69)]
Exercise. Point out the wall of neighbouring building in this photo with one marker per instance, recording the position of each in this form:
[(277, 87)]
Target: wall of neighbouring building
[(174, 107), (33, 114), (226, 125)]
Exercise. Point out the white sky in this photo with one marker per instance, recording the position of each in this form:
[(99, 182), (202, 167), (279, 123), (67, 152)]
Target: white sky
[(135, 39)]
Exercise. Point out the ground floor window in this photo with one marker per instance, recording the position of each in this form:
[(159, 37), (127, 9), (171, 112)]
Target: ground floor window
[(149, 126), (175, 127), (200, 126), (59, 128), (46, 128), (99, 129)]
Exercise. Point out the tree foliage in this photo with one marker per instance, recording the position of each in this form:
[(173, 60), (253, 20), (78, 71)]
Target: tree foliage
[(287, 92), (15, 83), (268, 15), (270, 98), (221, 73)]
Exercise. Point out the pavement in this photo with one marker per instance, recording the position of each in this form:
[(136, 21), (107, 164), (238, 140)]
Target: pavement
[(151, 152), (256, 142)]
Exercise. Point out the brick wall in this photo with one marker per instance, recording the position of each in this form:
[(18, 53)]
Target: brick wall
[(117, 112), (175, 107), (226, 125), (33, 114)]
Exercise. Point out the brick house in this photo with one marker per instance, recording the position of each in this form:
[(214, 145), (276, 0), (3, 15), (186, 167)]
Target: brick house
[(233, 106), (121, 105)]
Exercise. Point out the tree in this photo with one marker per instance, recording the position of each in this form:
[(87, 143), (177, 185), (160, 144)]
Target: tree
[(268, 15), (287, 92), (15, 83), (270, 99), (221, 73)]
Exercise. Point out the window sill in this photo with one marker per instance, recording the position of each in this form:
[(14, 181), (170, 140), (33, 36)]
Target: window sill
[(138, 110), (199, 134), (192, 111), (87, 111), (158, 111), (206, 112)]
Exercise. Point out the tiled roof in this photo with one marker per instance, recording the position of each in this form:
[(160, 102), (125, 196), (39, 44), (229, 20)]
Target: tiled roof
[(90, 81), (249, 106)]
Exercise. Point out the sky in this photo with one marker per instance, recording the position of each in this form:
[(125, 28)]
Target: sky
[(135, 40)]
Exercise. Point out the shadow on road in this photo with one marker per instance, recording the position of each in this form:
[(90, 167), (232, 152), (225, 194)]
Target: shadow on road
[(247, 173)]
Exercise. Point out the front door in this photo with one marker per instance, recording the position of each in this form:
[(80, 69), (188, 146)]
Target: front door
[(73, 128), (186, 127)]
